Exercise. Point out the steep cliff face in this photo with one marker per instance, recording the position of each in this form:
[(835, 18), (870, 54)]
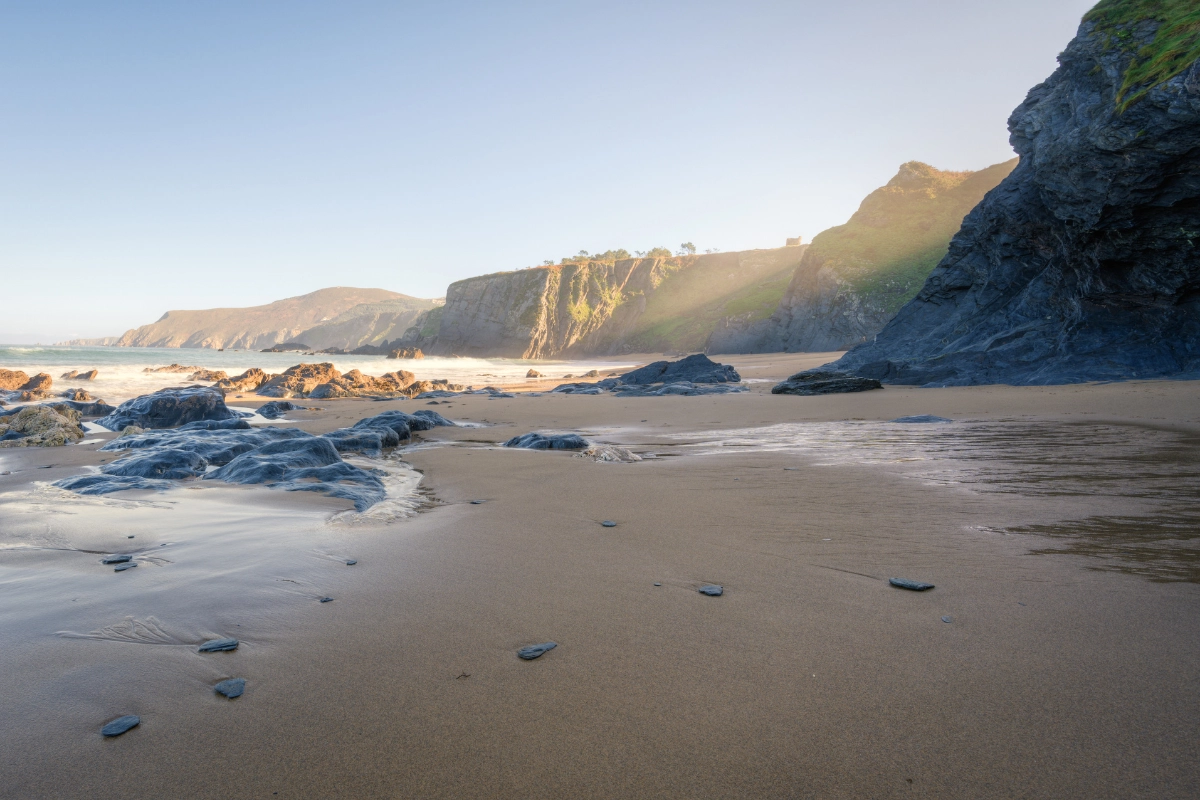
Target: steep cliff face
[(602, 308), (856, 276), (366, 324), (258, 327), (1083, 264)]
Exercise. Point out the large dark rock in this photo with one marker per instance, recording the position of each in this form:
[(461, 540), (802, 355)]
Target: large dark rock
[(368, 441), (275, 408), (548, 441), (1081, 265), (162, 463), (311, 464), (169, 408), (107, 484), (684, 388), (697, 368), (96, 409), (820, 381)]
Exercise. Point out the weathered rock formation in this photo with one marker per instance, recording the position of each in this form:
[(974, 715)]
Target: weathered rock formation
[(90, 375), (248, 381), (406, 352), (12, 380), (299, 380), (855, 277), (1083, 264), (208, 375), (816, 381), (171, 368), (598, 307), (40, 426), (168, 409)]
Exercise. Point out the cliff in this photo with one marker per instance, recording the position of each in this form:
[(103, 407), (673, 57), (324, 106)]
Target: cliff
[(1083, 264), (329, 315), (604, 308), (855, 277)]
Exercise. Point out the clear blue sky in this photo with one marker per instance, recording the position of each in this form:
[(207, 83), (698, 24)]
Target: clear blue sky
[(166, 155)]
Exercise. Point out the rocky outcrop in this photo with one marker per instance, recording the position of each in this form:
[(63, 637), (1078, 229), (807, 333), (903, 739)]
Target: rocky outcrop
[(171, 368), (355, 384), (12, 380), (817, 381), (299, 380), (208, 375), (603, 307), (36, 388), (1082, 265), (79, 395), (89, 375), (548, 441), (168, 409), (287, 347), (406, 352), (40, 426), (697, 368), (855, 277), (248, 381)]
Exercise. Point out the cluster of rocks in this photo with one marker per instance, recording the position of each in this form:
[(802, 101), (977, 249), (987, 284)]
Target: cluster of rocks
[(16, 385), (406, 352), (694, 375), (171, 368), (208, 375), (90, 375), (41, 426), (180, 434)]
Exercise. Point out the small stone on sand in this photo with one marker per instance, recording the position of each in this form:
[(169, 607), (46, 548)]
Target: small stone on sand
[(217, 645), (231, 688), (121, 724), (351, 562), (123, 567), (608, 523), (947, 619), (326, 599), (658, 584), (535, 650), (116, 559), (905, 583), (478, 502), (711, 589)]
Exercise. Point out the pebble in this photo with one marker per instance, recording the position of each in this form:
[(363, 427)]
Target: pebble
[(231, 688), (351, 562), (116, 559), (326, 599), (478, 502), (947, 619), (217, 645), (658, 584), (712, 590), (608, 523), (130, 536), (123, 567), (121, 724), (535, 650), (905, 583)]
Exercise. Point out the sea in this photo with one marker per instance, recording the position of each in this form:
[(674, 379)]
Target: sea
[(122, 372)]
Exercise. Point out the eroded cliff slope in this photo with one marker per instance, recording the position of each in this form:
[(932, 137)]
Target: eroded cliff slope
[(855, 277), (603, 308), (1083, 264)]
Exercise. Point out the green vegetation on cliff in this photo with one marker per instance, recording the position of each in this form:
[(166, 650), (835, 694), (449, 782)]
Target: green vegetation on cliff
[(901, 231), (1176, 43)]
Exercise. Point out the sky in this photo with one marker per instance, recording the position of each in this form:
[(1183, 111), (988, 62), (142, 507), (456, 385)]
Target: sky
[(166, 155)]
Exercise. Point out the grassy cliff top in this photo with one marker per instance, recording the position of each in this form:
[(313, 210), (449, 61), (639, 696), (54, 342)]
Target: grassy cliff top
[(902, 230), (1175, 46)]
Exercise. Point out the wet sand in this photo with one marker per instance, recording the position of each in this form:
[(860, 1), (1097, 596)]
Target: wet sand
[(1062, 674)]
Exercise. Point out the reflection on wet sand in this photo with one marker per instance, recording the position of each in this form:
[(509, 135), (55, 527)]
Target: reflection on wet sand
[(1124, 494)]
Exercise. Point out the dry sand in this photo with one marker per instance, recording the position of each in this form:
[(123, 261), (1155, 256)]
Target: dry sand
[(1059, 675)]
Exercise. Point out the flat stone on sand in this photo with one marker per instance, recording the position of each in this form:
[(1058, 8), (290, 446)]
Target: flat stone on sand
[(920, 419), (608, 523), (351, 562), (119, 558), (905, 583), (121, 724), (231, 687), (533, 651), (123, 567), (217, 645), (712, 590), (326, 599)]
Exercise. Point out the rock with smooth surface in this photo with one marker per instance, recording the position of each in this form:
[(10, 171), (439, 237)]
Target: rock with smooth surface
[(921, 419), (914, 586), (697, 368), (548, 441), (121, 725), (530, 652), (231, 687), (822, 381), (219, 645), (712, 590), (169, 408)]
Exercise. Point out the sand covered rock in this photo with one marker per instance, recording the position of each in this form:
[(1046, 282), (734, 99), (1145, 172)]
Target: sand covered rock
[(169, 408), (208, 375), (41, 426), (821, 381), (610, 453), (248, 381)]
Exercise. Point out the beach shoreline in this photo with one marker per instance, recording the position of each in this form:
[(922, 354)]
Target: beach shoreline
[(809, 677)]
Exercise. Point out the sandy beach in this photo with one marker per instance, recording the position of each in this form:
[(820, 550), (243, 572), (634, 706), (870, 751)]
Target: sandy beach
[(1058, 655)]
